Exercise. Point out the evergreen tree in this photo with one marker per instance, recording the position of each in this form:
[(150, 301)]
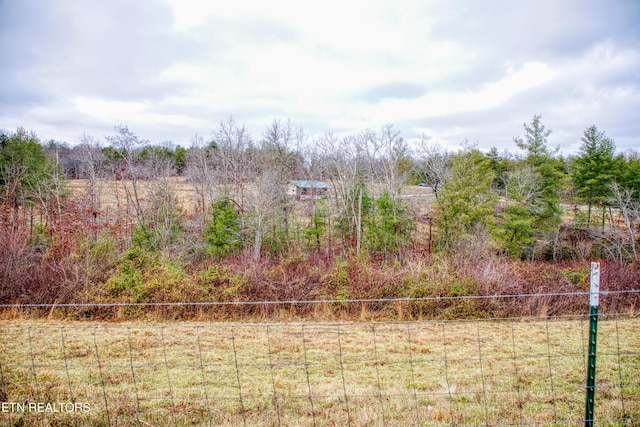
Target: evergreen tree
[(27, 176), (550, 170), (466, 200), (223, 231), (319, 221), (627, 172), (535, 142), (388, 226), (516, 230), (593, 170), (500, 164)]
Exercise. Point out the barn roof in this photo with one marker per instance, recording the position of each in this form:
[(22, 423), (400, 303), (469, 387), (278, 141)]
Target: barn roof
[(309, 184)]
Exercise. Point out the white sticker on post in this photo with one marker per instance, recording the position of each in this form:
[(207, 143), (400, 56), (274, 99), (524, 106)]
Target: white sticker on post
[(594, 300)]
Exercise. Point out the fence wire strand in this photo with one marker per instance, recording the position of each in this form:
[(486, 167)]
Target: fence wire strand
[(549, 358), (33, 365), (519, 402), (317, 301), (99, 363), (237, 369), (482, 379), (166, 369), (413, 376), (619, 354), (344, 383), (273, 378), (204, 376), (133, 375)]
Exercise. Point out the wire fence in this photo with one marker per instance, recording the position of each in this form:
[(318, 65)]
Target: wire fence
[(517, 370), (434, 307)]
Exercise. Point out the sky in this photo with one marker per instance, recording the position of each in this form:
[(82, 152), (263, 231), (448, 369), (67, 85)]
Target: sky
[(450, 70)]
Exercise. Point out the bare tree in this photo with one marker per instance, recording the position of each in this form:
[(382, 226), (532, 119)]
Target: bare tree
[(522, 200), (344, 162), (276, 152), (164, 203), (90, 164), (629, 208), (127, 146), (13, 195), (523, 186), (263, 202), (234, 166), (434, 164), (49, 193), (388, 156), (280, 158), (200, 173)]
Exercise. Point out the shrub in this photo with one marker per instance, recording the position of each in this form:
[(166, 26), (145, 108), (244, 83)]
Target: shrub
[(578, 276), (99, 257), (129, 272), (166, 282), (152, 237), (221, 283), (222, 233)]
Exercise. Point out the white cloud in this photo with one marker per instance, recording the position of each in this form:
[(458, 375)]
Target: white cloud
[(455, 69), (141, 113), (442, 103)]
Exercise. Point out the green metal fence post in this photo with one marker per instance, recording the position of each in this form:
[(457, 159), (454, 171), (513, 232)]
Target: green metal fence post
[(594, 303)]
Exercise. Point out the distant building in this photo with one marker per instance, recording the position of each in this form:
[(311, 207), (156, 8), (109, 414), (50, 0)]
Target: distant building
[(307, 189)]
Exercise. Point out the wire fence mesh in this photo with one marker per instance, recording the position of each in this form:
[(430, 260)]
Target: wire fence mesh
[(518, 370)]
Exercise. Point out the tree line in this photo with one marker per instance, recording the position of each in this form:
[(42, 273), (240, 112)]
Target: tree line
[(536, 204)]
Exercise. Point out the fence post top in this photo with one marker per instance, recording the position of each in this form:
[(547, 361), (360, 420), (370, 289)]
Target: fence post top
[(594, 296)]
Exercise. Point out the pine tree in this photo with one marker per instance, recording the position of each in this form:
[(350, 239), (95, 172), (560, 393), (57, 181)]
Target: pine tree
[(388, 226), (223, 231), (550, 170), (466, 200), (28, 178), (516, 229), (593, 169)]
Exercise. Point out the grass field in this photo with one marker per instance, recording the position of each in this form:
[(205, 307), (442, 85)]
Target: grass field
[(326, 374), (114, 193)]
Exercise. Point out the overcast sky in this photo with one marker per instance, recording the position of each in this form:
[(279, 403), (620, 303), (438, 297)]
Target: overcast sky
[(451, 70)]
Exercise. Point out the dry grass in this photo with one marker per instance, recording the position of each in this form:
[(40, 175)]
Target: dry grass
[(325, 374), (113, 193)]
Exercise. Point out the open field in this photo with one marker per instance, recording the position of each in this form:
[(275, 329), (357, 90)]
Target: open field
[(489, 372), (113, 193)]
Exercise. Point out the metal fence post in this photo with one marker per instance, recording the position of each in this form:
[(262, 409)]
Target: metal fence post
[(594, 302)]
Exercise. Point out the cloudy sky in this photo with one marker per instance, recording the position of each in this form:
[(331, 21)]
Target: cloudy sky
[(451, 70)]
